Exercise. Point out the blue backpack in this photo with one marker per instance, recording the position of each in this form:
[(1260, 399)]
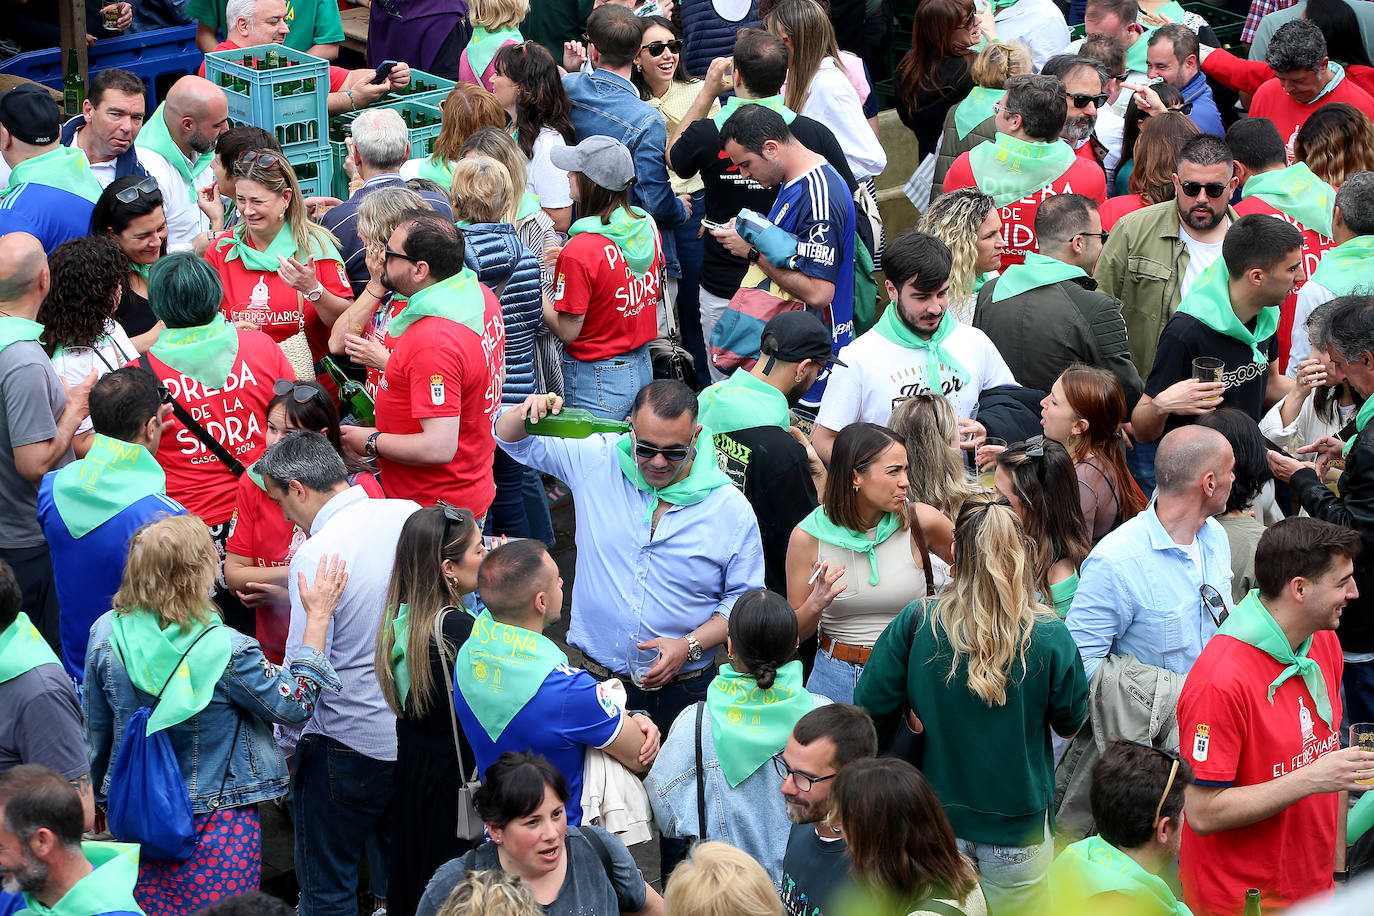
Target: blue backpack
[(148, 803)]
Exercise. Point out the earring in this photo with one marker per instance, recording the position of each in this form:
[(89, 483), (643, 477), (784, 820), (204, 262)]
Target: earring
[(856, 488)]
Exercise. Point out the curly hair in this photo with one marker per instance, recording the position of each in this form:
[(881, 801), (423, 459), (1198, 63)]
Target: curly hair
[(1336, 141), (87, 278), (954, 219)]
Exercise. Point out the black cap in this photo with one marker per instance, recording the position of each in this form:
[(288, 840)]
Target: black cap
[(31, 113), (796, 336)]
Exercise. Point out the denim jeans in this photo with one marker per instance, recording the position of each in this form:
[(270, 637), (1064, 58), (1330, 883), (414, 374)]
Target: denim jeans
[(537, 507), (665, 704), (1140, 461), (710, 307), (607, 387), (338, 797), (507, 514), (1013, 878), (689, 256), (833, 678)]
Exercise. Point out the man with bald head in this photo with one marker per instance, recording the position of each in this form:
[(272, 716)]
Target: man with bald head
[(38, 416), (1156, 587), (175, 147)]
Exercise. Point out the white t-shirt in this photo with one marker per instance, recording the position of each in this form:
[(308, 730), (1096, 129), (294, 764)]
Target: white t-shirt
[(184, 217), (111, 352), (833, 102), (104, 172), (1309, 297), (1201, 255), (547, 181), (1110, 130), (878, 370), (1039, 24)]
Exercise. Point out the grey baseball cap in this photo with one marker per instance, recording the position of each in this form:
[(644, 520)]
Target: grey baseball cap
[(604, 160)]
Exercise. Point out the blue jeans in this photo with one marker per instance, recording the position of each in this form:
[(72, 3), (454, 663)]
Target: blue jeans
[(507, 513), (1013, 877), (607, 387), (833, 678), (666, 703), (689, 255), (1140, 461), (338, 797), (537, 507)]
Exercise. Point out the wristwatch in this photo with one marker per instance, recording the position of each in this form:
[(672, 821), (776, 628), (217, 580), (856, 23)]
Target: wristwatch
[(371, 445), (693, 648), (315, 294), (753, 256)]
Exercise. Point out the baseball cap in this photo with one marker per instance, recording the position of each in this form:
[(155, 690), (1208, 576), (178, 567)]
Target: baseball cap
[(796, 336), (604, 160), (31, 113)]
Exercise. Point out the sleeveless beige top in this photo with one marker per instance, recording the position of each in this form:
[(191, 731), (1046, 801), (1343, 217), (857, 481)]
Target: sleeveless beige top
[(861, 612)]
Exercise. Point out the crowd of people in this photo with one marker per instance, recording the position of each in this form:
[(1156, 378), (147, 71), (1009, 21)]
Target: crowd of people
[(920, 591)]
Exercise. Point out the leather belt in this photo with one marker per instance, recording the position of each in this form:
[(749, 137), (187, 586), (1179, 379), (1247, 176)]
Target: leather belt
[(845, 652), (601, 672)]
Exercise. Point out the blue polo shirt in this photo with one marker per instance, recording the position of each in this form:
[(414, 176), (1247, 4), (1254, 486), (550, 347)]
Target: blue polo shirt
[(51, 215)]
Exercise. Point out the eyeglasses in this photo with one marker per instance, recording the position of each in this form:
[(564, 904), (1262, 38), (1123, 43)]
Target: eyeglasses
[(400, 254), (1093, 235), (164, 395), (999, 108), (656, 48), (1173, 773), (1082, 101), (1212, 603), (674, 454), (804, 781), (301, 392), (132, 193), (258, 159), (972, 18), (1214, 188)]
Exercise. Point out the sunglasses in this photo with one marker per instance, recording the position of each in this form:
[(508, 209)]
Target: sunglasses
[(402, 255), (804, 781), (673, 454), (300, 392), (656, 48), (164, 395), (1122, 77), (1093, 235), (259, 159), (999, 108), (133, 192), (972, 18), (1173, 773), (1214, 188), (1082, 101), (1214, 604), (1035, 447)]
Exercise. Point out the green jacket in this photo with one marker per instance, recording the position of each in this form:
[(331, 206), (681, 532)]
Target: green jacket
[(991, 766), (1143, 265)]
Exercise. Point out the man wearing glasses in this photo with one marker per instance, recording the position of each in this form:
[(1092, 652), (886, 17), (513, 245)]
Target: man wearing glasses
[(1259, 720)]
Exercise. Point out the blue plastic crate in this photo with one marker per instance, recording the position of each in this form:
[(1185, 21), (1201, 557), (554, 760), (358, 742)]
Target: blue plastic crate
[(423, 87), (314, 171), (291, 102)]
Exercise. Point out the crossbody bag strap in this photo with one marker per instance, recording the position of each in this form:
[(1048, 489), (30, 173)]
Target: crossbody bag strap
[(919, 537), (701, 779), (177, 666), (210, 442), (448, 686)]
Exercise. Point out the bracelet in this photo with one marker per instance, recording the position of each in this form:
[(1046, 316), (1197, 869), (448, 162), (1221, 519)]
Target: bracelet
[(367, 288), (352, 106)]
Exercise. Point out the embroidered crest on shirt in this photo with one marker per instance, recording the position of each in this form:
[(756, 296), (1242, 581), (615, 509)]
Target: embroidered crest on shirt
[(436, 390), (558, 287), (1201, 738)]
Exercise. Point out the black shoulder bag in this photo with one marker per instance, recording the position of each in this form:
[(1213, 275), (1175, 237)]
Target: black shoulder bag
[(200, 432)]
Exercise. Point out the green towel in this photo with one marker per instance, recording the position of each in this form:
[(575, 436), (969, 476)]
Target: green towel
[(206, 353), (743, 401), (819, 526), (500, 668), (459, 299), (1252, 624), (23, 648), (64, 167), (1009, 169), (1209, 301), (750, 725), (1037, 271), (112, 477), (891, 326), (704, 476), (1297, 193), (151, 653)]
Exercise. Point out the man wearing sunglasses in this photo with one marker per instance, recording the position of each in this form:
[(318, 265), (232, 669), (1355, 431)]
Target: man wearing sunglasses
[(1260, 719), (1172, 56), (110, 120), (1085, 90)]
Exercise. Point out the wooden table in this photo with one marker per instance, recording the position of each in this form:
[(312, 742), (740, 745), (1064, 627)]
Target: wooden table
[(355, 28)]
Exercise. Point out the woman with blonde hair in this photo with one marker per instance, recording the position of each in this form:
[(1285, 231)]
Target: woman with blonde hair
[(1162, 138), (720, 880), (1336, 142), (532, 222), (466, 110), (986, 658), (969, 122), (490, 893), (215, 696), (495, 24), (935, 471), (968, 223)]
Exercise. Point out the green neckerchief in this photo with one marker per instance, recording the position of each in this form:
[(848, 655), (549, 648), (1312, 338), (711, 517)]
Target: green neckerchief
[(1093, 867), (206, 353), (23, 648), (975, 109), (1337, 75), (253, 474), (438, 171), (819, 526), (483, 47), (1347, 267), (981, 280), (500, 668), (155, 138), (149, 652), (1061, 595), (140, 269), (265, 261), (64, 167), (894, 329), (1252, 624), (109, 888), (1362, 418), (400, 667), (999, 5), (459, 299), (1296, 192), (1035, 272), (1010, 169), (743, 402), (529, 204), (1209, 301), (704, 476), (112, 477), (749, 725), (734, 103), (13, 330), (631, 230)]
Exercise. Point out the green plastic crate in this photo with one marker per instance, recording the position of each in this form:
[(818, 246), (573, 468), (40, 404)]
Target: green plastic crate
[(314, 171), (421, 138), (290, 102), (424, 87)]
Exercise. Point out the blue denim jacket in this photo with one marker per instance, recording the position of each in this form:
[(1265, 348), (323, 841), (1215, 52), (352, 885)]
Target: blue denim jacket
[(252, 692)]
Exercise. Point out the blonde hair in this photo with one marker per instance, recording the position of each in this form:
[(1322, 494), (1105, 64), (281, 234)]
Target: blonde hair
[(170, 572), (720, 880), (279, 178), (989, 609), (999, 62), (481, 190), (810, 40), (495, 143), (380, 212), (954, 219), (499, 14), (490, 893), (929, 425)]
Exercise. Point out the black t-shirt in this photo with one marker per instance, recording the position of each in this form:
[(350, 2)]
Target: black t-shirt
[(728, 192), (770, 468), (134, 314), (812, 870), (1185, 338)]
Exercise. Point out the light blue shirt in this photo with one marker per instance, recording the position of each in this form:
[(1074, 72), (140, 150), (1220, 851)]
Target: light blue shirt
[(1140, 594), (632, 583)]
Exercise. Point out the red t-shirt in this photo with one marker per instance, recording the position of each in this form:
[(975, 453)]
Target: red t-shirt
[(1270, 101), (439, 368), (1314, 245), (622, 309), (1117, 207), (1233, 736), (232, 414), (376, 330), (282, 316), (337, 75), (1083, 176)]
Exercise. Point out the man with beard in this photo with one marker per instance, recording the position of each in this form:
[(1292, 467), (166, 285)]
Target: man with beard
[(750, 413), (1172, 56), (175, 147), (1085, 89), (823, 742)]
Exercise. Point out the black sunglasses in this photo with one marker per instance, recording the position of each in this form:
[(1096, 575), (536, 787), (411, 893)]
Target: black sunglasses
[(1214, 604), (1095, 235), (655, 48), (972, 18), (164, 395), (402, 255), (300, 392), (132, 193), (674, 454), (1082, 101), (1035, 447), (1186, 108), (804, 781), (1122, 77), (1214, 188)]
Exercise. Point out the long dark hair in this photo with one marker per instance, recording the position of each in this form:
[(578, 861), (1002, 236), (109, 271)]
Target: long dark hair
[(1247, 444), (1097, 397), (856, 447), (932, 43), (1344, 40), (680, 74), (319, 415), (1043, 478), (1169, 97), (540, 100), (87, 274)]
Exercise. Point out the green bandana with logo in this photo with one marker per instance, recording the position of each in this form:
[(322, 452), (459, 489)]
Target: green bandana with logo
[(483, 47), (820, 527), (704, 476), (1209, 301), (1009, 169), (458, 299), (23, 648), (1347, 267), (150, 652), (438, 171), (14, 329), (206, 353), (109, 888), (632, 232), (64, 167), (1093, 867), (1252, 624), (1362, 418), (743, 401), (112, 477), (500, 668), (749, 724), (265, 261), (735, 103), (975, 109), (1295, 192), (400, 667), (894, 329), (1037, 271), (155, 138)]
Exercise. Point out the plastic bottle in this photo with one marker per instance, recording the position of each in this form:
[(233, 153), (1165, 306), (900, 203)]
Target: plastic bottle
[(574, 423)]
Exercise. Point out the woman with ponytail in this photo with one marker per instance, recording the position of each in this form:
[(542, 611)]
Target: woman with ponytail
[(990, 673)]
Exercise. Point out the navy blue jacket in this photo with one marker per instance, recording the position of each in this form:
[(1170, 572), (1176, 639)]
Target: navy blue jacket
[(495, 253), (126, 163)]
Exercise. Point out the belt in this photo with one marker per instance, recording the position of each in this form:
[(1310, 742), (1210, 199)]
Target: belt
[(845, 652), (601, 672)]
